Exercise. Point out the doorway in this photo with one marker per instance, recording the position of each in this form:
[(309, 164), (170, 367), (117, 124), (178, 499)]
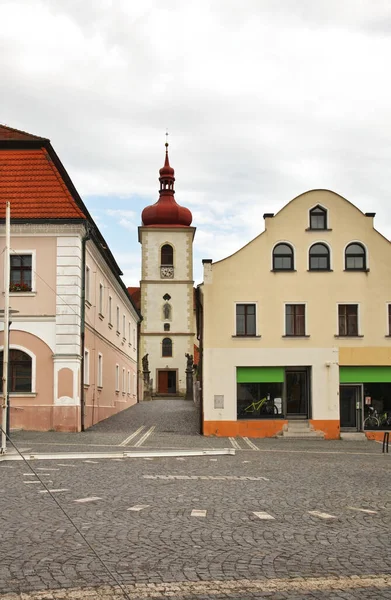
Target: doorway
[(166, 382), (350, 407), (297, 393)]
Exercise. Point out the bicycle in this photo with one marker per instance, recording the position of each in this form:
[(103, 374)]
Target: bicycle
[(372, 421), (264, 404)]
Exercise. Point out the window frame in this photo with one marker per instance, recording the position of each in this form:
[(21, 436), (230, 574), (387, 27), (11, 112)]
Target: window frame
[(110, 310), (246, 304), (128, 383), (365, 255), (33, 364), (33, 254), (320, 243), (349, 335), (118, 321), (86, 367), (123, 381), (87, 285), (320, 209), (290, 256), (167, 264), (100, 371), (117, 377), (295, 335), (101, 299), (171, 347)]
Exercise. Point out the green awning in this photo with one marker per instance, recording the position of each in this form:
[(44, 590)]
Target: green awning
[(365, 374), (260, 374)]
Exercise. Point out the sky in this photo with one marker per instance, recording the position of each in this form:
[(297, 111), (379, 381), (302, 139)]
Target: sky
[(263, 100)]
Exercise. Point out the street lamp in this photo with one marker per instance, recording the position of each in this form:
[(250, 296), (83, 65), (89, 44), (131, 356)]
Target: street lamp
[(6, 398)]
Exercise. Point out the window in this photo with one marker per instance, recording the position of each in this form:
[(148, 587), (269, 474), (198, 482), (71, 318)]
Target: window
[(20, 371), (295, 319), (134, 339), (167, 255), (128, 382), (110, 310), (167, 311), (118, 319), (86, 367), (123, 381), (87, 284), (124, 326), (167, 347), (117, 378), (283, 257), (318, 218), (319, 258), (355, 257), (21, 273), (134, 385), (129, 333), (166, 326), (100, 370), (101, 299), (348, 319), (389, 319), (245, 319)]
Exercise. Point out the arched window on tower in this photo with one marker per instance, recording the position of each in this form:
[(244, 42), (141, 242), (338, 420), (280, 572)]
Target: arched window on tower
[(167, 347), (167, 312), (167, 256)]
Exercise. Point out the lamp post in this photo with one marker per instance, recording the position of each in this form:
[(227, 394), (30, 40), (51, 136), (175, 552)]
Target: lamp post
[(6, 365)]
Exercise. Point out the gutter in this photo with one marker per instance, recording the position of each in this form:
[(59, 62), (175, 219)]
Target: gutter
[(84, 240)]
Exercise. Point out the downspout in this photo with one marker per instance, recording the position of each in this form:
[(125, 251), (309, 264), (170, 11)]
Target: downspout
[(86, 237), (200, 336)]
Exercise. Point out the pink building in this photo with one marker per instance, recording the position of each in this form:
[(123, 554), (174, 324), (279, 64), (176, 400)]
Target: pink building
[(73, 338)]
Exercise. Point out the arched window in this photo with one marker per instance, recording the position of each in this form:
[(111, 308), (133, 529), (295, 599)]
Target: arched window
[(20, 371), (167, 255), (167, 347), (318, 218), (355, 257), (283, 258), (319, 258), (167, 311)]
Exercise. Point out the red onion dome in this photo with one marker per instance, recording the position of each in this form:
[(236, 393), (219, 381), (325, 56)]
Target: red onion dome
[(166, 211)]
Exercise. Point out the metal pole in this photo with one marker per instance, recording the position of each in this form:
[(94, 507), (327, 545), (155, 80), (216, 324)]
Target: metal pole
[(3, 448)]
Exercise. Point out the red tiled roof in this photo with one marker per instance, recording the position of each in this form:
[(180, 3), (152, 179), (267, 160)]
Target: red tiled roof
[(135, 294), (8, 133), (30, 181)]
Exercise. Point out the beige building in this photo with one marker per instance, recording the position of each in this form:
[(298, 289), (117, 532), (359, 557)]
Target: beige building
[(297, 325), (73, 338)]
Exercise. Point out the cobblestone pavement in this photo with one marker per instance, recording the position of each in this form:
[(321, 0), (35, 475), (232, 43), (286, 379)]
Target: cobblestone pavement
[(284, 522)]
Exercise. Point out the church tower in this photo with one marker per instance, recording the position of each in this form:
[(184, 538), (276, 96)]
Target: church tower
[(167, 329)]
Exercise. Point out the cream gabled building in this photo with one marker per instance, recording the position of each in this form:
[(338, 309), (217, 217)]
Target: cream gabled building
[(167, 329), (300, 316)]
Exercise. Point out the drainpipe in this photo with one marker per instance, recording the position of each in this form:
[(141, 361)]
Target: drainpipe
[(200, 332), (86, 237)]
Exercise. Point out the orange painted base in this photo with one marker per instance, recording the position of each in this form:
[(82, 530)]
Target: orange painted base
[(375, 435), (254, 429), (330, 428)]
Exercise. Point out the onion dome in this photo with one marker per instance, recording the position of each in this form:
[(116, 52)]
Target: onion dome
[(166, 212)]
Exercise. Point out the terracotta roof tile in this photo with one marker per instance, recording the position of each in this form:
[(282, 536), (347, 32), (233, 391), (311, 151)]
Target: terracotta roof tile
[(135, 294), (30, 181), (8, 133)]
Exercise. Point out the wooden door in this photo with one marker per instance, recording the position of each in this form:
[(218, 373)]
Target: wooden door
[(163, 382)]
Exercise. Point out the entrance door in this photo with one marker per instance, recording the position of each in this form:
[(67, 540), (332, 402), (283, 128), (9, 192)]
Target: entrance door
[(171, 382), (297, 393), (166, 382), (348, 398)]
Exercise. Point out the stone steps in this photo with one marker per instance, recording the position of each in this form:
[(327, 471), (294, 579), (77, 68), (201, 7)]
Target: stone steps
[(301, 429)]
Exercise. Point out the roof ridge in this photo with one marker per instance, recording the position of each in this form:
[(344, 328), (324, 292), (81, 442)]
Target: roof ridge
[(20, 131)]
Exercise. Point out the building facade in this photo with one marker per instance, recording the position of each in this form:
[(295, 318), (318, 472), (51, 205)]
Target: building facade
[(73, 343), (297, 325), (167, 330)]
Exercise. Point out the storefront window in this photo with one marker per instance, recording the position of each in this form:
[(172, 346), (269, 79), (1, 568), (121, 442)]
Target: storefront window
[(259, 400), (377, 406)]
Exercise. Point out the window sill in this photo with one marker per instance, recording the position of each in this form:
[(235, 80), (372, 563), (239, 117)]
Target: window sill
[(23, 394), (290, 337), (245, 337), (28, 294), (320, 271), (388, 336), (123, 340), (117, 392), (101, 316), (129, 344), (110, 325), (118, 333), (88, 303), (348, 336), (317, 230), (356, 270), (100, 387), (86, 385), (283, 270)]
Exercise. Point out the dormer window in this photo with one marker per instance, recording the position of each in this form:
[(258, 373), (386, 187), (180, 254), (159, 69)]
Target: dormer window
[(318, 218)]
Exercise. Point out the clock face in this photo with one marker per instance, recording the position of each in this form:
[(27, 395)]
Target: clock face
[(167, 272)]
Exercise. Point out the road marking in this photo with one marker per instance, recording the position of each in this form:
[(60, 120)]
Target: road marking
[(145, 437), (213, 459), (185, 459), (43, 469), (93, 462), (263, 515), (64, 465), (209, 477), (234, 443), (138, 507), (47, 481), (30, 474), (364, 510), (250, 443), (56, 490), (321, 515), (132, 435), (198, 513), (91, 499)]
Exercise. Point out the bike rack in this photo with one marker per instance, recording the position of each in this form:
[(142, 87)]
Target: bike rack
[(386, 440)]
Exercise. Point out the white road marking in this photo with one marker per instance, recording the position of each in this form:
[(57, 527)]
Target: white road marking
[(198, 513), (364, 510), (250, 443), (47, 481), (263, 515), (64, 465), (132, 435), (213, 459), (91, 499), (234, 443), (321, 515), (144, 437), (209, 477), (30, 474), (43, 469), (93, 462), (138, 507), (185, 459), (56, 490)]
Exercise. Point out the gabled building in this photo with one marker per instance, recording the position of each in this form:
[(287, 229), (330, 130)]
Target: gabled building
[(73, 338), (296, 335)]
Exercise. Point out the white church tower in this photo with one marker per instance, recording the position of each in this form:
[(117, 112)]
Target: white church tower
[(167, 330)]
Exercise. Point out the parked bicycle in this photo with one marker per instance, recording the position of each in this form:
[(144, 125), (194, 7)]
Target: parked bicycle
[(375, 420), (264, 405)]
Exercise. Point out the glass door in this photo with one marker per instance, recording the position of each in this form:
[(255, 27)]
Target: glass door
[(349, 406), (297, 393)]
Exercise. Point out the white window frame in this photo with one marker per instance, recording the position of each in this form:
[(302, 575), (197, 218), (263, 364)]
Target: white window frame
[(33, 254), (323, 207), (100, 370), (330, 255), (123, 381), (271, 258), (359, 332), (117, 378), (130, 333), (296, 302), (128, 383), (33, 369), (256, 319), (86, 366), (87, 284), (134, 338), (118, 320), (110, 310), (361, 243), (101, 299), (134, 384), (124, 326)]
